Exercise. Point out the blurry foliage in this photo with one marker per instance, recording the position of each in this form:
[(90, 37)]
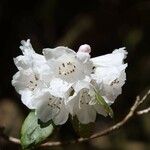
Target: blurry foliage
[(105, 25)]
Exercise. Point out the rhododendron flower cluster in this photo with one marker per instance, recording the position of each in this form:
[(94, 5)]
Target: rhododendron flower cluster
[(62, 82)]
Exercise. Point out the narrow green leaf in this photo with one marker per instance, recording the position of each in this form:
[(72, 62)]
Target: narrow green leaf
[(83, 130), (102, 102), (34, 132)]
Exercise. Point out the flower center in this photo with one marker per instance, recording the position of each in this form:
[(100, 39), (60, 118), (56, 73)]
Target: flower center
[(55, 104), (86, 99), (33, 83), (67, 68)]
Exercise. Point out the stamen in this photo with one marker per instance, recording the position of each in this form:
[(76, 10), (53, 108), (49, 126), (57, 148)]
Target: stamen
[(36, 78), (116, 81), (66, 68), (93, 67)]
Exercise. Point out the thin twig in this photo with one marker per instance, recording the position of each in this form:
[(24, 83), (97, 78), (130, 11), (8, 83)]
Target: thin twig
[(14, 140), (144, 111), (107, 131)]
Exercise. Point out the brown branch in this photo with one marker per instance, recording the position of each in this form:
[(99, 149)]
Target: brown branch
[(107, 131), (14, 140), (144, 111)]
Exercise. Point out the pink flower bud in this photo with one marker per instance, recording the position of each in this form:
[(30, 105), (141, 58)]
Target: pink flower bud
[(85, 48)]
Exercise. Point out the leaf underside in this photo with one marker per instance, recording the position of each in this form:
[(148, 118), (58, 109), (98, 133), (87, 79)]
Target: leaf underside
[(34, 132)]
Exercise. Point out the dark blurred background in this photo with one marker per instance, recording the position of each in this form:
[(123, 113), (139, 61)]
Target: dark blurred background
[(103, 24)]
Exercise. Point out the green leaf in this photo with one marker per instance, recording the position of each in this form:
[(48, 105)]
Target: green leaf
[(102, 102), (34, 132), (83, 130)]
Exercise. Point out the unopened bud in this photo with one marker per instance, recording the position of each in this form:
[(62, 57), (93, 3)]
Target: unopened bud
[(85, 48)]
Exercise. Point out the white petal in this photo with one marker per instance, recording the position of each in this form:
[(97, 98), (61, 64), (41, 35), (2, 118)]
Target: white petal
[(86, 115), (80, 105), (110, 81), (68, 65), (21, 62), (83, 57), (45, 113), (51, 108), (20, 80), (27, 98), (114, 59), (121, 50), (59, 87), (25, 84), (44, 73), (62, 117), (110, 74), (30, 59), (47, 109), (38, 60), (32, 99), (54, 53), (68, 68), (80, 85), (112, 90), (72, 104), (26, 47)]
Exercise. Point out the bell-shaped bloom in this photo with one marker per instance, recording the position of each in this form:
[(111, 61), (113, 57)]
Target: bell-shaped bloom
[(34, 74), (84, 104), (52, 106), (67, 64), (109, 73), (30, 58)]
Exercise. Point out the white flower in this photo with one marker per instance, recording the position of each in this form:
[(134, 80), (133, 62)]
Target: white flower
[(33, 75), (109, 73), (52, 106), (83, 103), (28, 84), (29, 59), (68, 65)]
